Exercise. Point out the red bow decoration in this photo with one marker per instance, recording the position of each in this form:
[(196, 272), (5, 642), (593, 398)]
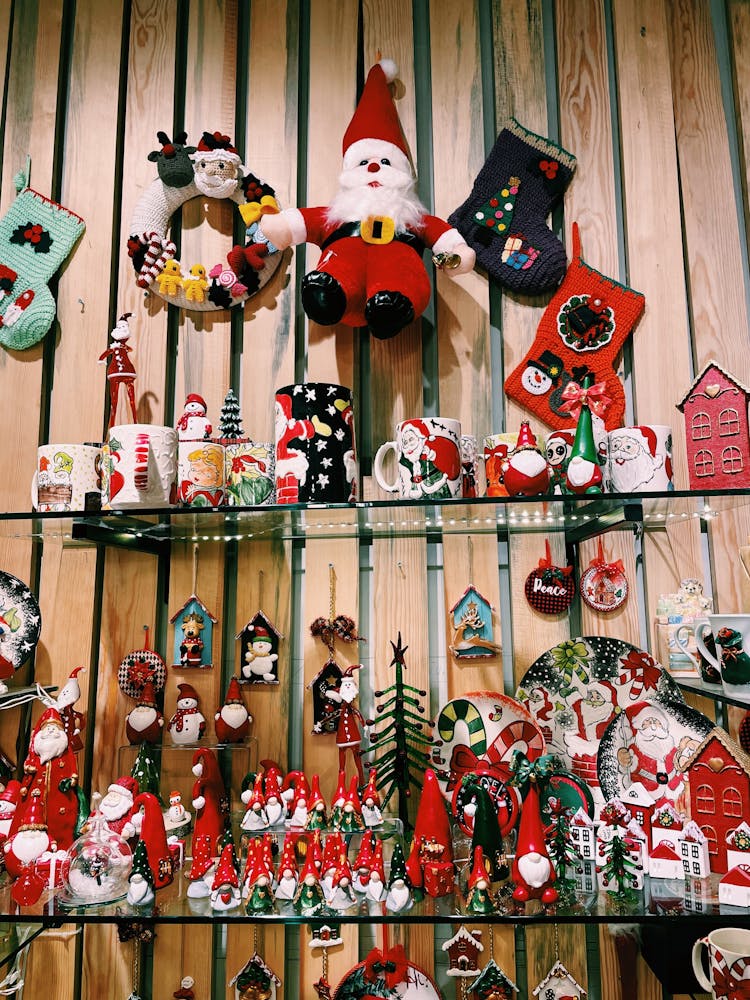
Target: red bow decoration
[(391, 964), (639, 666), (609, 569), (729, 988), (463, 761), (545, 563), (576, 396)]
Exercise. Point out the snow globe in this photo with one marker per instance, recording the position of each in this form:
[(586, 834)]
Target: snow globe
[(97, 865)]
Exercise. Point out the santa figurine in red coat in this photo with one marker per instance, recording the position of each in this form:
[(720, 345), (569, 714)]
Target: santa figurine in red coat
[(118, 805), (232, 721), (348, 732), (533, 871), (143, 724), (373, 232)]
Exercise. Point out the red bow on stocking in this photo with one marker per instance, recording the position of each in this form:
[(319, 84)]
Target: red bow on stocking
[(576, 396)]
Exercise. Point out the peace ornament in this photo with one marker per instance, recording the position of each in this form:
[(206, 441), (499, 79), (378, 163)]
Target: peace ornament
[(550, 589)]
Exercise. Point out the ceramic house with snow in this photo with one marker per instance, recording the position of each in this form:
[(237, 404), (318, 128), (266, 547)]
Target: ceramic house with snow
[(325, 936), (464, 949), (734, 887), (716, 430), (665, 862), (472, 626), (738, 845), (193, 635), (666, 823), (641, 805), (694, 851), (559, 984), (255, 979), (259, 651), (583, 835), (719, 779), (492, 983)]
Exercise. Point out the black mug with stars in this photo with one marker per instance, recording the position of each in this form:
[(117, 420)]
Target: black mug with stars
[(316, 459)]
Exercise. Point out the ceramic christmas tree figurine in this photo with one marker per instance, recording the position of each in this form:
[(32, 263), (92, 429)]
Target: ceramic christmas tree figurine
[(584, 474), (120, 370), (559, 842), (479, 898), (187, 725), (230, 421), (144, 722), (141, 881), (145, 770), (232, 721)]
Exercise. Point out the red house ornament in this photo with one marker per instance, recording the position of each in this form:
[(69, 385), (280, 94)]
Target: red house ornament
[(717, 435)]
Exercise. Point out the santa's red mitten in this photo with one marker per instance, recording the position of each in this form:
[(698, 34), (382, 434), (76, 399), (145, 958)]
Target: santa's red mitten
[(504, 217), (580, 334)]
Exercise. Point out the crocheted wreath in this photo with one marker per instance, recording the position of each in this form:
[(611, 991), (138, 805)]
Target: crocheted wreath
[(213, 169)]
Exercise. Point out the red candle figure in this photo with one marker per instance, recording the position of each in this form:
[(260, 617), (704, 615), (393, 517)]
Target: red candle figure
[(120, 370)]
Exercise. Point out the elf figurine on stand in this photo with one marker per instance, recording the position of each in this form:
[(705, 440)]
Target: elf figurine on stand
[(349, 733), (120, 369)]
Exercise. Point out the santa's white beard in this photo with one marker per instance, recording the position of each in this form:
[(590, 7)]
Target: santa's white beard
[(114, 806), (633, 473), (529, 463), (47, 747), (28, 845), (534, 869), (655, 743), (234, 715), (396, 198), (142, 717)]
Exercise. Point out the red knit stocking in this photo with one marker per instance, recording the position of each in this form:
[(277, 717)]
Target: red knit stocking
[(581, 333)]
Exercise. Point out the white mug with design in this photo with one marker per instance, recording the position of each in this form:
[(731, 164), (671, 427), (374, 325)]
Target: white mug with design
[(728, 962), (140, 466), (640, 458), (67, 477), (428, 454), (732, 658)]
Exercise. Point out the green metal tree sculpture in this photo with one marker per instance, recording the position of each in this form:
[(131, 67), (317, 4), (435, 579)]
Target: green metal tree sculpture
[(403, 740)]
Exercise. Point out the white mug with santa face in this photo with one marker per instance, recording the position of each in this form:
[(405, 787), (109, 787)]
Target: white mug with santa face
[(428, 459), (141, 466), (728, 962), (640, 458)]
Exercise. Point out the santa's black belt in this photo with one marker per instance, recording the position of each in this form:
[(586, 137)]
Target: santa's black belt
[(355, 229)]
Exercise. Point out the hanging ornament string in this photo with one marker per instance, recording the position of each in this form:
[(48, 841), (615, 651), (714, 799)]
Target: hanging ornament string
[(557, 943), (324, 961), (470, 546), (136, 994), (195, 568), (492, 943), (255, 939), (261, 578), (604, 586), (331, 604)]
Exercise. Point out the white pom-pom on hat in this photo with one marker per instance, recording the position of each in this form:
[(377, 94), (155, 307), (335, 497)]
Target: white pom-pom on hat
[(390, 69)]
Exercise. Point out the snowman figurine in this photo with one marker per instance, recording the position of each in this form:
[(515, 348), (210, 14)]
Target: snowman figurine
[(177, 814), (193, 425), (260, 660), (187, 725)]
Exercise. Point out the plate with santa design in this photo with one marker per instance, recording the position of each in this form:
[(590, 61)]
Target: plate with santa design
[(651, 743), (574, 690), (20, 625)]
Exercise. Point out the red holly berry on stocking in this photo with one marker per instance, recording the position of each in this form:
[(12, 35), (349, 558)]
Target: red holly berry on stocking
[(604, 586), (550, 589)]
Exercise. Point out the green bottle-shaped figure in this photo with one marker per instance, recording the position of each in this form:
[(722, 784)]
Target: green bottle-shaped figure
[(584, 474)]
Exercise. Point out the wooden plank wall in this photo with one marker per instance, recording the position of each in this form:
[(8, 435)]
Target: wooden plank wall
[(653, 99)]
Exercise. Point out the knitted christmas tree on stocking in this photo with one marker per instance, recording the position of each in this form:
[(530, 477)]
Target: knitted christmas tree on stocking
[(36, 235), (580, 334)]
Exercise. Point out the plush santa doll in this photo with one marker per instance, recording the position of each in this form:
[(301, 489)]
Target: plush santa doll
[(210, 799), (532, 871), (73, 721), (194, 425), (232, 721), (143, 724), (118, 805), (51, 769), (187, 725), (374, 231), (154, 836), (525, 470)]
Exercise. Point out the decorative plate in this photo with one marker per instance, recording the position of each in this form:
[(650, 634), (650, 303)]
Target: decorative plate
[(481, 727), (387, 976), (650, 742), (575, 689), (22, 619)]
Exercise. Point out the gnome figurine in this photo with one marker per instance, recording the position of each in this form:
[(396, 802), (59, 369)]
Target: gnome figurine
[(187, 725), (225, 889), (143, 724), (533, 871), (232, 721), (9, 799), (584, 474), (154, 836), (525, 469), (479, 898), (399, 895), (141, 880)]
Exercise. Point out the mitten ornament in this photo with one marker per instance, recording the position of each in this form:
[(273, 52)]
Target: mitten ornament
[(36, 236), (580, 334), (503, 218)]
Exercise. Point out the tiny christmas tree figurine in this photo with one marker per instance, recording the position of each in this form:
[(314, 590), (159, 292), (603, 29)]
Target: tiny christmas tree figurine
[(620, 868), (560, 847), (401, 742), (230, 423), (146, 771)]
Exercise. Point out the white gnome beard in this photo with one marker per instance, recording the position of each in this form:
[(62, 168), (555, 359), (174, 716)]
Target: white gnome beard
[(141, 718), (534, 869), (139, 890), (49, 743), (114, 806), (529, 463), (28, 845), (396, 198), (580, 471), (234, 715)]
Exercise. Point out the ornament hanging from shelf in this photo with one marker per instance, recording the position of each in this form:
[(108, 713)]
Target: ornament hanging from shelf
[(387, 972), (259, 651), (139, 666), (550, 589), (255, 980), (604, 586), (193, 634), (472, 621), (492, 983), (464, 949), (559, 984)]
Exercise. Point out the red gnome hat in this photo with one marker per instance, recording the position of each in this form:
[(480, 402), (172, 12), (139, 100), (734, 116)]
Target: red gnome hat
[(526, 438), (371, 790), (377, 861), (154, 837), (11, 792), (288, 855), (226, 873), (352, 796), (479, 869), (316, 796), (315, 849), (339, 796), (365, 853), (148, 696), (375, 129), (233, 693), (432, 816), (308, 869), (333, 848), (272, 778), (257, 798), (343, 871)]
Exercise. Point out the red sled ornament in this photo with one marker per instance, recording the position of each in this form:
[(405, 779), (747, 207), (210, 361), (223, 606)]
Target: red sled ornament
[(550, 589), (604, 586)]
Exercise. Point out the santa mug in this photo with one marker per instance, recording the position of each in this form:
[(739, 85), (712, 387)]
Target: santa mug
[(640, 458), (469, 467), (731, 658), (496, 448), (200, 473), (250, 473), (428, 459), (139, 466), (316, 458), (728, 962), (67, 477)]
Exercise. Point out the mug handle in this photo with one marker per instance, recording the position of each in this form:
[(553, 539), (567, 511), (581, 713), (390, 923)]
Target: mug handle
[(699, 626), (35, 490), (140, 468), (698, 972), (682, 643), (378, 470)]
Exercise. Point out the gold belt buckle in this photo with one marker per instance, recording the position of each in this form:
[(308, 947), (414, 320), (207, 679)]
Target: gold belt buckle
[(377, 229)]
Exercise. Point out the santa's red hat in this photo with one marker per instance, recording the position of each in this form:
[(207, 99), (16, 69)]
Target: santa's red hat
[(34, 818), (215, 146), (125, 786), (349, 672), (11, 792), (479, 869), (147, 698), (186, 691), (154, 837), (193, 397), (526, 437), (260, 632), (371, 790), (375, 129), (567, 437), (638, 713), (225, 874), (234, 696), (50, 715), (649, 436)]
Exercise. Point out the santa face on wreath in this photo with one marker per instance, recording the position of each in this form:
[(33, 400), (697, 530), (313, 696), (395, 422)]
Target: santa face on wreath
[(218, 168), (632, 459)]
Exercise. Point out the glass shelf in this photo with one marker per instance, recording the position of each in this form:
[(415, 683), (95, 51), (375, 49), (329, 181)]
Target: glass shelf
[(578, 517), (697, 685), (660, 901)]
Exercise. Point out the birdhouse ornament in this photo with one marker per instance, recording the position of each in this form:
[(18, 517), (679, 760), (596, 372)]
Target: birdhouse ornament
[(193, 635), (255, 981), (259, 651), (559, 984), (472, 623)]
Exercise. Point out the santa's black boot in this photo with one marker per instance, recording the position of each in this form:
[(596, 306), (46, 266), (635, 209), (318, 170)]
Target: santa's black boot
[(323, 298), (387, 313)]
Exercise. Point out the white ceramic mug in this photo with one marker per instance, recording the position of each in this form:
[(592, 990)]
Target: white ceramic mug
[(705, 666), (728, 962), (639, 458), (496, 448), (429, 460), (141, 462), (67, 477), (732, 658)]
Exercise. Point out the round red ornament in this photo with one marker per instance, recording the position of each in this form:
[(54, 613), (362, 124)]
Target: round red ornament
[(604, 586), (139, 666), (550, 589)]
